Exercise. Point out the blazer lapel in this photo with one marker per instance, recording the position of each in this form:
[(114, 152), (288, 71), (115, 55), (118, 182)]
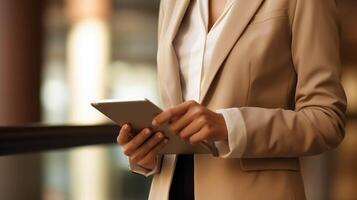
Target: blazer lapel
[(170, 71), (241, 13)]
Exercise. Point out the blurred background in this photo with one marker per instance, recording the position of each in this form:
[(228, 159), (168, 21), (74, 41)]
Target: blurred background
[(58, 55)]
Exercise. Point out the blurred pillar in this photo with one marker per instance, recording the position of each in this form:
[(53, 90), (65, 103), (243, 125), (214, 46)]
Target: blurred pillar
[(88, 56), (20, 64), (333, 175), (344, 182)]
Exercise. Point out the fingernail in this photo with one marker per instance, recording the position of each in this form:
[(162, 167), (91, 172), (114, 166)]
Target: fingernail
[(154, 122), (160, 135), (147, 131)]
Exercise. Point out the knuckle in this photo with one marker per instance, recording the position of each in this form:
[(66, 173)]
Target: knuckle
[(173, 127), (138, 140), (183, 135), (203, 119), (126, 150), (126, 153), (199, 111), (151, 143), (159, 135), (134, 143), (162, 144)]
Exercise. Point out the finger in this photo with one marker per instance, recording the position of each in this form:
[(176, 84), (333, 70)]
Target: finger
[(193, 127), (172, 112), (124, 134), (199, 136), (153, 153), (137, 141), (146, 147), (181, 122), (187, 118)]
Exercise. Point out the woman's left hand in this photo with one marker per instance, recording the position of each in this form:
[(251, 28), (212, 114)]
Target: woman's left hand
[(194, 122)]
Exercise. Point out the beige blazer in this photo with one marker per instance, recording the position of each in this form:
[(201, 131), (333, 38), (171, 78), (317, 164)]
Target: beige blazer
[(278, 62)]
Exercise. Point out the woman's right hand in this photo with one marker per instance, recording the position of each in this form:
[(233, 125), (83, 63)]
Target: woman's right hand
[(143, 147)]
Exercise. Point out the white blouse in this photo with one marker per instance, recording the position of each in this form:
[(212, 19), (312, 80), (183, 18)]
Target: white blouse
[(194, 45)]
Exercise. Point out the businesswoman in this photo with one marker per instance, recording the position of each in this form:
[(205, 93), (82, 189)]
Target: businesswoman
[(260, 79)]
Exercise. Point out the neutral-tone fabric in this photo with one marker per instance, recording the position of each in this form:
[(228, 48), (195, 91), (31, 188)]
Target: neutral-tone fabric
[(278, 63), (194, 45), (237, 134), (146, 172)]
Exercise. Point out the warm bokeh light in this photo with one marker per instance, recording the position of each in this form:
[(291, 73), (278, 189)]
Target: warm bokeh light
[(92, 55), (106, 49), (88, 56), (350, 84)]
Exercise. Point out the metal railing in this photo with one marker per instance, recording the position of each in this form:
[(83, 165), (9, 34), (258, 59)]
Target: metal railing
[(37, 138)]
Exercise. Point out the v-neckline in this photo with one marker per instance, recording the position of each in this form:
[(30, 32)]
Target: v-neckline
[(204, 14)]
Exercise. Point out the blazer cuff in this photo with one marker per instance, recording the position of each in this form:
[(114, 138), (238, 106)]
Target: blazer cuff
[(145, 172), (237, 134)]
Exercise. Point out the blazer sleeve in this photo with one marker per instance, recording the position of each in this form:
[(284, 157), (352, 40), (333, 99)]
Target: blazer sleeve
[(318, 120)]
